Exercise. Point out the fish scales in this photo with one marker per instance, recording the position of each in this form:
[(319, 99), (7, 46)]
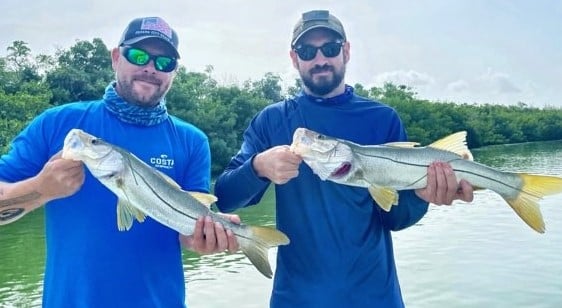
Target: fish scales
[(144, 191), (388, 168)]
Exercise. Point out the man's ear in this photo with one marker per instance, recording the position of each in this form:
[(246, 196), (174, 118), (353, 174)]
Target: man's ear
[(115, 53), (346, 51), (294, 59)]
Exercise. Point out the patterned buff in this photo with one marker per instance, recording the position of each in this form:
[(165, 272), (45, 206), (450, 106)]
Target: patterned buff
[(134, 114)]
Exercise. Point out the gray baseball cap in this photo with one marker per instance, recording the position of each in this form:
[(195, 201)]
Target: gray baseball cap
[(314, 20)]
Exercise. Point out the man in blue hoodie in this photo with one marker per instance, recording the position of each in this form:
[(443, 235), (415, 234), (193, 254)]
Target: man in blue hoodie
[(341, 252)]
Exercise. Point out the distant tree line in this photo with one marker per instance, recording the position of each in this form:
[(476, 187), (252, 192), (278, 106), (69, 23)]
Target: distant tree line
[(30, 84)]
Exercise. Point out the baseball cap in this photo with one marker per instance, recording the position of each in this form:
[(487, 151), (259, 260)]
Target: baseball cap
[(314, 20), (149, 27)]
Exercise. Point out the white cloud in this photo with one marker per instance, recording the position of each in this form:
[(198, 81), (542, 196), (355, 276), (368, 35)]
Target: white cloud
[(401, 77), (458, 86), (246, 39), (496, 82)]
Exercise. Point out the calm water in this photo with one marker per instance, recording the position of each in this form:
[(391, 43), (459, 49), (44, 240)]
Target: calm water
[(468, 255)]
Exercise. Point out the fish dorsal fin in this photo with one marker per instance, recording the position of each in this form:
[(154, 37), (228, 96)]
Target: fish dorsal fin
[(126, 213), (402, 144), (206, 199), (385, 197), (455, 143)]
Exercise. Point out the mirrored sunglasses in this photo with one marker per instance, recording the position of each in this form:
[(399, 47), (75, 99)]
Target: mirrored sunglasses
[(140, 57)]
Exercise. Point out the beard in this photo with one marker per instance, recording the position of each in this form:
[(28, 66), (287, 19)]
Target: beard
[(131, 95), (323, 84)]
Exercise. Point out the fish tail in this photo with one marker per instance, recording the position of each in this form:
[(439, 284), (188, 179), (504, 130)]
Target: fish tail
[(257, 246), (534, 188)]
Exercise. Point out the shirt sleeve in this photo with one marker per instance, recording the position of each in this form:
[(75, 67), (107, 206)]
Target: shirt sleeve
[(28, 152), (409, 211), (230, 192)]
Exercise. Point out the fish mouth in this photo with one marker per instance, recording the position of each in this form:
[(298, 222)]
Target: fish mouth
[(72, 144), (341, 171)]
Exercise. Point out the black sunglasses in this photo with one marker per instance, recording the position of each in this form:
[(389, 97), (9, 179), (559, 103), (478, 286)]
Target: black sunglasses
[(140, 57), (329, 50)]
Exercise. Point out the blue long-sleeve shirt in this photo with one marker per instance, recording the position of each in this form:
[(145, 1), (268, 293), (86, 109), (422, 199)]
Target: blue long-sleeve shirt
[(341, 252)]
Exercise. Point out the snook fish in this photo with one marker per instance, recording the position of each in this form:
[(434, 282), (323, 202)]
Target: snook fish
[(143, 190), (385, 169)]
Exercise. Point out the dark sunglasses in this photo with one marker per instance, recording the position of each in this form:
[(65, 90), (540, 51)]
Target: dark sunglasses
[(140, 57), (329, 50)]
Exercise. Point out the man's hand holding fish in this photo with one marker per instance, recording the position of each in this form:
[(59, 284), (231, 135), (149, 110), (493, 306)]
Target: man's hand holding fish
[(209, 237), (277, 164), (442, 187)]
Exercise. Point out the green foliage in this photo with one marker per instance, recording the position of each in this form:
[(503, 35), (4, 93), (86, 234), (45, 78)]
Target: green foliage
[(428, 121), (81, 73), (29, 84), (16, 111), (222, 112)]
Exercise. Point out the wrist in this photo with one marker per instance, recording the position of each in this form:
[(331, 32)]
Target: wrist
[(257, 165), (36, 187)]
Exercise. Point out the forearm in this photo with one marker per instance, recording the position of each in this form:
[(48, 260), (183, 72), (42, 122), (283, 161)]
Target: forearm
[(239, 187), (18, 199), (409, 211)]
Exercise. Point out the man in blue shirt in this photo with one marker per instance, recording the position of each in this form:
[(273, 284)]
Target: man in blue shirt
[(89, 262), (341, 252)]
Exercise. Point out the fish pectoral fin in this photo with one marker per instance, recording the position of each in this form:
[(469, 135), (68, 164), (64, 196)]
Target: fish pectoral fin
[(402, 144), (385, 197), (126, 213), (455, 143), (206, 199)]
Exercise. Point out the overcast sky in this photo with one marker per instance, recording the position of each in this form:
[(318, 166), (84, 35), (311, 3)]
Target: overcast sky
[(469, 51)]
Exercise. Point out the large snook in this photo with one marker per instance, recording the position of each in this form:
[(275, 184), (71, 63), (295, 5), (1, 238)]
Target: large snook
[(142, 190), (384, 169)]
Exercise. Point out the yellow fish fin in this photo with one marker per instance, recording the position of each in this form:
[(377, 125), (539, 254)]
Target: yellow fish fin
[(534, 188), (256, 246), (541, 185), (385, 197), (455, 143), (402, 144), (528, 209), (127, 212), (206, 199)]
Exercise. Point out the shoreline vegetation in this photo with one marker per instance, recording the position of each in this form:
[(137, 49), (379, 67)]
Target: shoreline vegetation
[(31, 83)]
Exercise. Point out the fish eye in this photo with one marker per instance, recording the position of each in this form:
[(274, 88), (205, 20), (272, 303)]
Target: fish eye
[(95, 141), (321, 137)]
